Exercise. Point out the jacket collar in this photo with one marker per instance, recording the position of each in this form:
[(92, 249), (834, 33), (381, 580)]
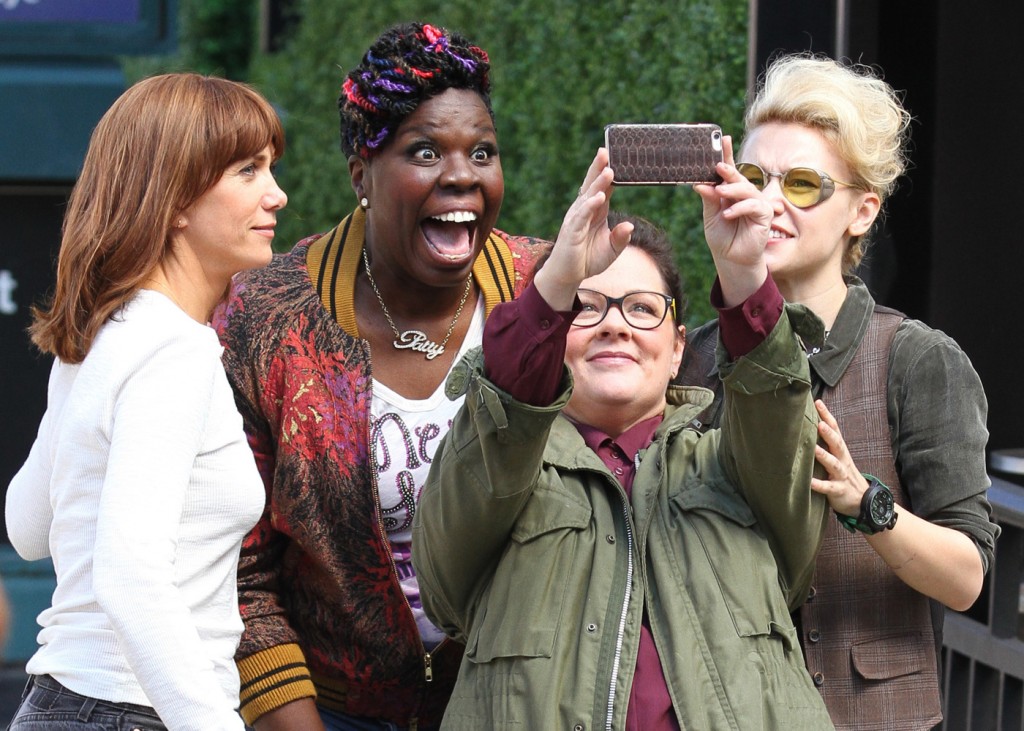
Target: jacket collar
[(566, 448), (830, 362)]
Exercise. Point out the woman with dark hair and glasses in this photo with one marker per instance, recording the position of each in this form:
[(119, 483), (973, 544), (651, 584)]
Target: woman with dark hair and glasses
[(607, 565), (907, 478)]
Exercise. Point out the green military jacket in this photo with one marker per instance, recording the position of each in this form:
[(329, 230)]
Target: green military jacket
[(527, 549)]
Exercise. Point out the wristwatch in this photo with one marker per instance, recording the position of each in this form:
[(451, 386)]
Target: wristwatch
[(877, 509)]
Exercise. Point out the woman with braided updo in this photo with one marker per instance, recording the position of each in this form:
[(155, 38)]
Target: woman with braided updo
[(338, 352)]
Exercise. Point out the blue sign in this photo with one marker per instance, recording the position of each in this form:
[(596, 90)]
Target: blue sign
[(70, 11), (86, 28)]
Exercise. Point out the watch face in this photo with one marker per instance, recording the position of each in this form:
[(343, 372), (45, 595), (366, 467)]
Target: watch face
[(881, 507)]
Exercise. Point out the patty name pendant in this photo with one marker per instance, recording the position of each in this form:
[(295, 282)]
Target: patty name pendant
[(417, 341)]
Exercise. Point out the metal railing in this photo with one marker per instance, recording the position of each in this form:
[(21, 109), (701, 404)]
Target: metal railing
[(983, 648)]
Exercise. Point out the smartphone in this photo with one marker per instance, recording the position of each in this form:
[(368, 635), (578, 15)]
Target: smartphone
[(664, 154)]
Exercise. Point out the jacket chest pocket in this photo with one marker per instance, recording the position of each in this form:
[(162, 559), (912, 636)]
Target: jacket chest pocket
[(521, 608), (741, 568)]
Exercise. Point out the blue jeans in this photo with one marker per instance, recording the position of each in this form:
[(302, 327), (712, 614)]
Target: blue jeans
[(46, 705), (334, 721)]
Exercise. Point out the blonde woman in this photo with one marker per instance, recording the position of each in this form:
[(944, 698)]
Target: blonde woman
[(907, 478)]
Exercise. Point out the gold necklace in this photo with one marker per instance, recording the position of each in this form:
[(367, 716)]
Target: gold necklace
[(416, 340)]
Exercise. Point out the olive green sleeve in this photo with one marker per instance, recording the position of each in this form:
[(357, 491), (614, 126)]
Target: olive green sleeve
[(483, 473), (769, 431)]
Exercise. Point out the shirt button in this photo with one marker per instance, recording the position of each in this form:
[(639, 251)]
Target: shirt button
[(578, 727), (755, 312), (819, 679), (814, 635), (811, 593), (610, 538), (618, 471), (591, 627), (545, 324)]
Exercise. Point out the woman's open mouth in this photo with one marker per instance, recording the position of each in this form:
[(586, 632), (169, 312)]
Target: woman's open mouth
[(451, 235)]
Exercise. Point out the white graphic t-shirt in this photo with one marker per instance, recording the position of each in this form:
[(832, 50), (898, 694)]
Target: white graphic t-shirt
[(404, 434)]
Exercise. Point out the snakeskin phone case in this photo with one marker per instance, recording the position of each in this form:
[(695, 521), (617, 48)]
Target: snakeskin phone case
[(664, 154)]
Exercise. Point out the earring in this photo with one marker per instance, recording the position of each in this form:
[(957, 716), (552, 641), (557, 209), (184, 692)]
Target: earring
[(180, 223), (364, 202)]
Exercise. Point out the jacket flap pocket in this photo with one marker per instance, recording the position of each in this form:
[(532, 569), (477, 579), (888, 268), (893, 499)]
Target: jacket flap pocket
[(526, 641), (721, 499), (534, 574), (550, 510), (890, 657)]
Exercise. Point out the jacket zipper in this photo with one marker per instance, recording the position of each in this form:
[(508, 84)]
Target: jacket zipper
[(620, 635)]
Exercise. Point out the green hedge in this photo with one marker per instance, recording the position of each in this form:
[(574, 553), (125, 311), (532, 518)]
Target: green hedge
[(562, 70)]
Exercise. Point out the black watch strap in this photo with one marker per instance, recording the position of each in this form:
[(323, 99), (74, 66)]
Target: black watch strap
[(868, 522)]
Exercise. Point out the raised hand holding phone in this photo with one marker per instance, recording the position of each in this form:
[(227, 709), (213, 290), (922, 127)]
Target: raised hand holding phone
[(585, 245), (737, 222)]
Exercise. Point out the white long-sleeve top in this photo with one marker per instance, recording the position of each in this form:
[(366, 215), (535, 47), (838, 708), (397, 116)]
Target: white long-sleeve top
[(141, 486)]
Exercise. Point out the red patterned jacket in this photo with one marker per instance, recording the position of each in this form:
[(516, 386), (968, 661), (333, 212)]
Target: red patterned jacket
[(323, 609)]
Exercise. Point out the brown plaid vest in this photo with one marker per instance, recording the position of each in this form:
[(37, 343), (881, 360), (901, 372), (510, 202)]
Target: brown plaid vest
[(868, 637)]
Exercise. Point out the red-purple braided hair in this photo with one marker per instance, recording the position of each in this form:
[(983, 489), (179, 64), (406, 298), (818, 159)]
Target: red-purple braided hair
[(406, 65)]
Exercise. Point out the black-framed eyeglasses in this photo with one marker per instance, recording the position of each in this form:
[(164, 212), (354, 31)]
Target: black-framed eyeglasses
[(641, 310), (803, 187)]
